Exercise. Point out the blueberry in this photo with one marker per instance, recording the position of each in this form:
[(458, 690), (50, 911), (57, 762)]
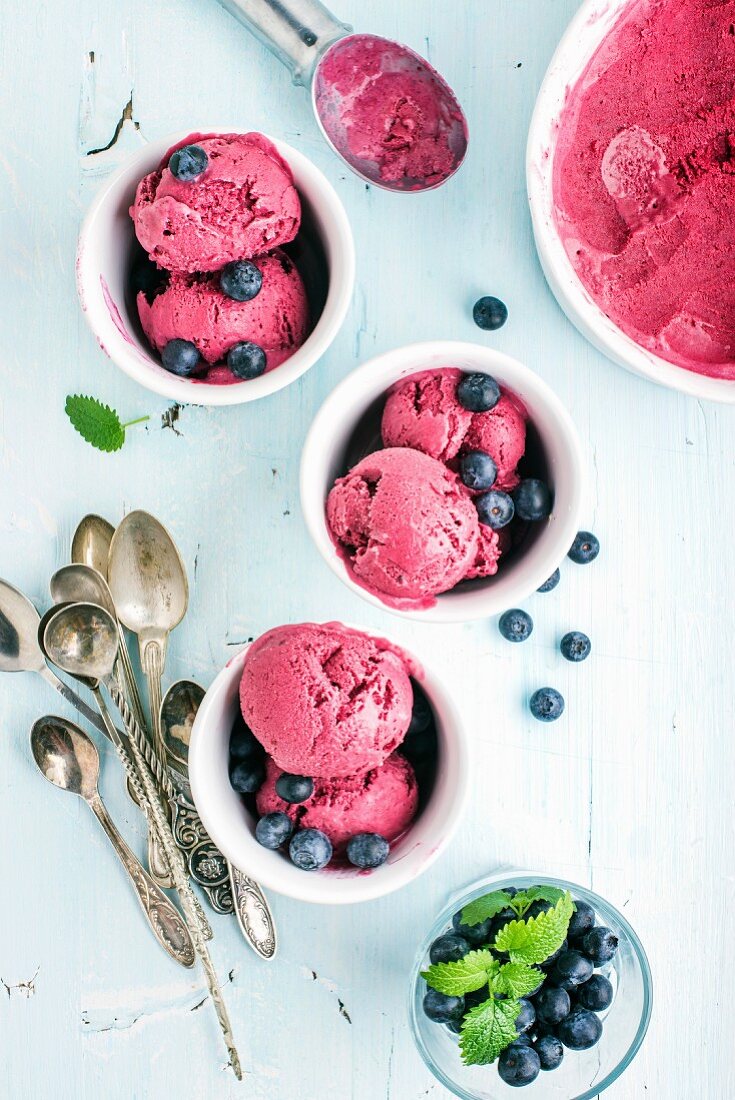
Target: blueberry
[(477, 470), (476, 997), (478, 393), (537, 907), (273, 830), (422, 715), (243, 742), (181, 357), (515, 625), (550, 1051), (188, 162), (519, 1065), (367, 850), (532, 499), (575, 646), (505, 916), (596, 994), (585, 548), (495, 509), (550, 584), (449, 948), (552, 1005), (241, 280), (547, 704), (580, 1030), (246, 776), (571, 969), (443, 1009), (294, 788), (600, 945), (310, 849), (246, 360), (583, 919), (475, 934), (525, 1039), (489, 313), (526, 1018), (455, 1026)]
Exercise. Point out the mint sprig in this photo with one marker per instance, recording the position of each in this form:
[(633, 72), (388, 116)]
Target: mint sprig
[(466, 975), (486, 907), (98, 424), (534, 940), (516, 979), (487, 1030)]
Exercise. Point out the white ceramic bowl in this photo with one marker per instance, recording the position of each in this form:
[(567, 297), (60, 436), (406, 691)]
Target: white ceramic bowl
[(331, 435), (107, 244), (232, 827), (585, 33)]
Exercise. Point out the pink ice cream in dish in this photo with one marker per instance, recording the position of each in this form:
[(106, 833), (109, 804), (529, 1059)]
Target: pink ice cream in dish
[(325, 709), (447, 498), (224, 302), (644, 180)]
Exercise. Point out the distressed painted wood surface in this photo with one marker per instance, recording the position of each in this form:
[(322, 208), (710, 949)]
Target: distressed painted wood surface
[(631, 792)]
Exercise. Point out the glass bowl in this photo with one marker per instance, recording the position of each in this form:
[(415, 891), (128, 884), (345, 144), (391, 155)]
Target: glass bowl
[(582, 1074)]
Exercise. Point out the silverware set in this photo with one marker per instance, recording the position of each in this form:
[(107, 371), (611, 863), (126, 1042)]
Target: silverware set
[(133, 579)]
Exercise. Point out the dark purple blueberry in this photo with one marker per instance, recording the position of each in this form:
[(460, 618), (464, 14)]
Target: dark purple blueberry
[(532, 499), (596, 994), (241, 280), (550, 1051), (571, 969), (477, 470), (550, 584), (181, 357), (600, 944), (246, 776), (448, 948), (552, 1005), (475, 934), (495, 509), (294, 788), (526, 1018), (575, 646), (478, 392), (547, 704), (188, 163), (310, 849), (367, 850), (243, 742), (246, 360), (583, 919), (443, 1009), (489, 313), (580, 1030), (515, 625), (585, 548), (273, 830), (518, 1065)]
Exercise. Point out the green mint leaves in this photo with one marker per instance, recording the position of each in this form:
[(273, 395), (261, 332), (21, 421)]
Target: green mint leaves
[(465, 976), (491, 904), (97, 423), (487, 1030), (533, 940), (517, 979)]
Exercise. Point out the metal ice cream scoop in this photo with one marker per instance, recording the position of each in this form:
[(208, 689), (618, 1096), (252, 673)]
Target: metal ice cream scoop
[(406, 146)]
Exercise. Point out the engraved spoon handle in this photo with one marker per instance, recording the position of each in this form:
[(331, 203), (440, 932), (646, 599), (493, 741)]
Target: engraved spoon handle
[(253, 913), (162, 915), (152, 660)]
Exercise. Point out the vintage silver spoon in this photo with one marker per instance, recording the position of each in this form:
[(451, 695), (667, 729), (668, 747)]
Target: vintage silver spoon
[(91, 543), (178, 711), (82, 639), (69, 759)]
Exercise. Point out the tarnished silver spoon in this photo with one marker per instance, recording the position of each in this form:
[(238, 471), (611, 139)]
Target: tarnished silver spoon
[(91, 543)]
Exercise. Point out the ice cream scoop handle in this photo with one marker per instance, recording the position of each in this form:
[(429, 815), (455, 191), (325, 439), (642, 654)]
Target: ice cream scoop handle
[(296, 31)]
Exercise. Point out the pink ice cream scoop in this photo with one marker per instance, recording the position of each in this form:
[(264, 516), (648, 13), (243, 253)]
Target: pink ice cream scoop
[(242, 204), (383, 800), (501, 433), (324, 700), (406, 524), (491, 545), (423, 412), (194, 308)]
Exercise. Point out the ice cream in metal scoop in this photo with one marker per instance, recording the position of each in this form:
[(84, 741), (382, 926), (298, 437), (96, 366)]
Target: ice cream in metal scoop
[(384, 110)]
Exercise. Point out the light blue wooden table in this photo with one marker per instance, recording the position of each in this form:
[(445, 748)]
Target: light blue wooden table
[(631, 792)]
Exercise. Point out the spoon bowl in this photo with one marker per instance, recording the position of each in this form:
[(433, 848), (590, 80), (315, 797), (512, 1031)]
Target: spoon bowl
[(65, 756), (178, 711), (81, 639), (80, 583), (147, 576), (19, 648), (91, 543)]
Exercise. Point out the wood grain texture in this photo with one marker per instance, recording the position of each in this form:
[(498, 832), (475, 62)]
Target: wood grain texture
[(631, 792)]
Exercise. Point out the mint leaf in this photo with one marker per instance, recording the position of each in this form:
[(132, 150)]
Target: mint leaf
[(486, 1030), (533, 940), (516, 979), (488, 906), (97, 423), (521, 902), (464, 976)]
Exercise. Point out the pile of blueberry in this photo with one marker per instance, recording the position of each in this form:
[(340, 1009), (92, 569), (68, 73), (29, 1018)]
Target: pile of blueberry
[(563, 1012)]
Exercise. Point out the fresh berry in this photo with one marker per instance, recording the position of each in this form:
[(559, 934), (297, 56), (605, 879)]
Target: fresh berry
[(294, 788), (583, 919), (600, 945), (455, 1026), (475, 934), (571, 969), (596, 994), (537, 907), (310, 849), (188, 163), (552, 1005), (476, 997), (489, 313), (550, 584), (505, 916), (478, 393), (580, 1030), (575, 646), (585, 548), (243, 742), (477, 470), (181, 357), (547, 704), (367, 850), (241, 280), (532, 499), (422, 715), (495, 509), (515, 625), (273, 830), (246, 776), (443, 1009), (526, 1018), (550, 1051), (246, 360), (519, 1065), (449, 948)]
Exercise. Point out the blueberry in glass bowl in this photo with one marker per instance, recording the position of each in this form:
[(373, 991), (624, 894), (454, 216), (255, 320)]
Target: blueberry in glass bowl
[(552, 995)]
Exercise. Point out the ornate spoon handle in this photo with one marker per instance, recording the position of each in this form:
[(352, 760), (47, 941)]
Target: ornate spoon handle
[(253, 914)]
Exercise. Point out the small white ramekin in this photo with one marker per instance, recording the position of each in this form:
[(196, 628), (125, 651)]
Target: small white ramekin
[(106, 246), (323, 460), (232, 827), (586, 31)]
